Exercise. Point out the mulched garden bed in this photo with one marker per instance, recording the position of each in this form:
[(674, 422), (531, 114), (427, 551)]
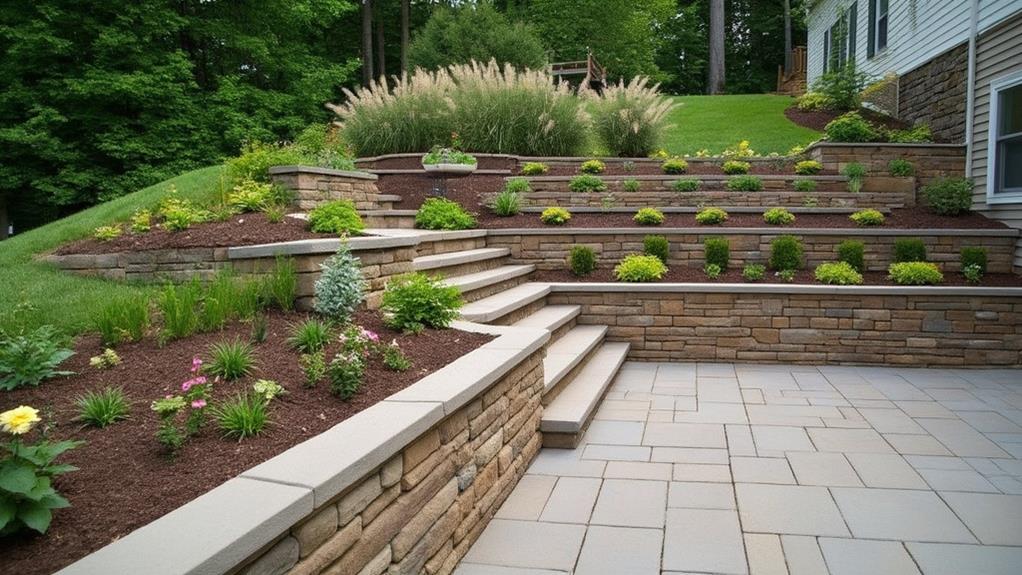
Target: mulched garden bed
[(696, 166), (818, 119), (685, 274), (906, 218), (414, 189), (240, 230), (125, 478)]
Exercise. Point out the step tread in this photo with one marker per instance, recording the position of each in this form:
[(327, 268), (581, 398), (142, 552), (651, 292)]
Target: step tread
[(450, 259), (550, 317), (498, 305), (568, 351), (486, 278), (575, 404)]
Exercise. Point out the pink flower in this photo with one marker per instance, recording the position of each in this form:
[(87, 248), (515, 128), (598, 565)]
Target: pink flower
[(199, 403), (196, 364), (371, 335), (187, 385)]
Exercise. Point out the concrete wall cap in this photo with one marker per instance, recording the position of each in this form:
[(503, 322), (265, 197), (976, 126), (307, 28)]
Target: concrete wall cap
[(772, 231), (281, 170), (702, 177), (823, 144), (785, 289), (318, 246)]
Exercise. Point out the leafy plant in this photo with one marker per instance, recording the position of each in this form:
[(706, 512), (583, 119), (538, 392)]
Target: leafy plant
[(141, 221), (592, 167), (674, 166), (535, 168), (268, 390), (628, 166), (281, 285), (105, 360), (786, 276), (973, 273), (915, 273), (179, 216), (974, 256), (657, 246), (742, 150), (851, 127), (245, 415), (415, 301), (901, 167), (753, 272), (711, 216), (909, 250), (581, 260), (842, 87), (443, 214), (191, 403), (630, 118), (313, 366), (587, 183), (107, 233), (804, 185), (778, 217), (28, 358), (250, 196), (808, 167), (231, 359), (517, 185), (717, 251), (853, 253), (340, 288), (735, 167), (856, 174), (786, 253), (507, 203), (916, 134), (712, 271), (949, 196), (555, 216), (686, 185), (336, 217), (630, 185), (178, 305), (809, 201), (649, 217), (258, 329), (640, 268), (811, 101), (125, 319), (346, 372), (441, 155), (309, 336), (837, 273), (393, 358), (274, 213), (868, 217), (745, 184), (102, 408)]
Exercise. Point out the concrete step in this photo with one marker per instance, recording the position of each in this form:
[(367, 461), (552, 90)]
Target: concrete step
[(570, 350), (486, 278), (495, 306), (452, 259), (568, 415), (550, 317)]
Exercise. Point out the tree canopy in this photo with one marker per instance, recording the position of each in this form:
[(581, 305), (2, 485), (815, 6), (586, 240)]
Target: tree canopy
[(475, 32)]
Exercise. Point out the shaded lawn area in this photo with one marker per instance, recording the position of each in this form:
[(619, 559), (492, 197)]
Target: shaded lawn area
[(716, 122), (33, 293)]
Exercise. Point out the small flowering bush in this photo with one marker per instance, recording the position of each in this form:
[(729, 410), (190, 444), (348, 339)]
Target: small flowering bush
[(357, 340), (346, 372), (393, 358), (189, 406)]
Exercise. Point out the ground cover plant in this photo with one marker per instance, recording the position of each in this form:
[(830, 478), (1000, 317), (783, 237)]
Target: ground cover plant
[(711, 216), (868, 217), (753, 272), (555, 216), (735, 167), (535, 168), (630, 185), (915, 273), (674, 166), (649, 217), (640, 268), (587, 183), (443, 214)]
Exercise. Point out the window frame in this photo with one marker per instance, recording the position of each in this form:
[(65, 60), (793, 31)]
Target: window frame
[(842, 33), (994, 138)]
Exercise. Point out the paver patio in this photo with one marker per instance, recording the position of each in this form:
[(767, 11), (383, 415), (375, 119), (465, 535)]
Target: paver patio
[(720, 468)]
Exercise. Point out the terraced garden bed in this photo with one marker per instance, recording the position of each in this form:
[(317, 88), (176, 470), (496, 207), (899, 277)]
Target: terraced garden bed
[(688, 274)]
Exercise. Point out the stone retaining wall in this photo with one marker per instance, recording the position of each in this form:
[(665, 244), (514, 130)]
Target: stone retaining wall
[(931, 161), (316, 186), (935, 94), (177, 265), (548, 249), (920, 327)]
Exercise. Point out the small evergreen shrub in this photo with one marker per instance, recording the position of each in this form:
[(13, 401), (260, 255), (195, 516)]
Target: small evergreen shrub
[(808, 167), (717, 251), (853, 253), (649, 217), (581, 260), (340, 288), (974, 256), (630, 185), (734, 167), (851, 127), (686, 185), (745, 184), (102, 408), (778, 217), (443, 214), (786, 253), (230, 359), (337, 217), (711, 216), (640, 268), (949, 196), (837, 273), (915, 273), (712, 271), (535, 168), (657, 246), (753, 272), (842, 87), (867, 218), (555, 216), (587, 183), (592, 167), (507, 203), (674, 166), (909, 250), (804, 185), (901, 168), (416, 301)]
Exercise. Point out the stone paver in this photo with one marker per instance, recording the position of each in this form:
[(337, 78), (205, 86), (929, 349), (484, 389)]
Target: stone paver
[(762, 469)]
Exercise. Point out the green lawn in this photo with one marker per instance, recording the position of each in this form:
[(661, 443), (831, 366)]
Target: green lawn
[(33, 293), (716, 122)]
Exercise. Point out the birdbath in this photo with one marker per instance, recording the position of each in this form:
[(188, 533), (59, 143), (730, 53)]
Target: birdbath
[(445, 163)]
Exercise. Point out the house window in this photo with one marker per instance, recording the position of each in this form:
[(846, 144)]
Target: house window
[(878, 18), (1004, 162), (839, 41)]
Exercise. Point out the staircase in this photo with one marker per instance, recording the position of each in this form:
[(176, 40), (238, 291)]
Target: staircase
[(579, 363)]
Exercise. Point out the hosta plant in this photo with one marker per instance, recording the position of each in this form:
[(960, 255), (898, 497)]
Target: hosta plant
[(31, 357)]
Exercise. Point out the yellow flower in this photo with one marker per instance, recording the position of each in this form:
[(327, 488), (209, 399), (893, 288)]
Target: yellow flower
[(19, 420)]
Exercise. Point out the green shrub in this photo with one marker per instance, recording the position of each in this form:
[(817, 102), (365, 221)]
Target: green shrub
[(649, 217), (734, 167), (517, 186), (786, 253), (346, 372), (125, 319), (535, 168), (808, 167), (268, 390), (630, 185), (640, 268), (107, 233), (837, 273), (416, 301), (105, 360), (245, 415), (909, 250), (177, 305), (856, 174), (630, 119), (393, 358), (507, 203), (712, 271), (340, 288), (657, 246), (309, 336), (443, 214), (915, 273), (458, 33), (974, 256), (867, 218), (581, 260), (102, 408), (786, 276), (949, 196), (592, 167), (141, 221), (901, 168), (587, 183), (674, 166), (851, 127), (230, 359), (686, 185), (555, 216), (281, 285), (853, 253), (920, 133), (973, 273), (717, 251), (778, 217), (711, 216), (250, 196), (745, 184), (29, 358), (337, 217), (256, 159), (753, 272), (804, 185), (313, 367), (812, 101), (842, 88)]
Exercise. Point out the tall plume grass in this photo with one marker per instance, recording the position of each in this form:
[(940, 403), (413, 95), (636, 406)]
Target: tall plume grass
[(630, 119)]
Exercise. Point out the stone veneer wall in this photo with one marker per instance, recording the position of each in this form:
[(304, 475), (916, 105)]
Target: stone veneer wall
[(935, 94), (548, 249), (315, 186), (931, 161), (913, 327)]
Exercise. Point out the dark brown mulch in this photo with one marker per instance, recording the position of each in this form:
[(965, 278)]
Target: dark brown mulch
[(695, 167), (818, 119), (125, 480), (240, 230), (685, 274), (414, 189), (415, 163), (906, 218)]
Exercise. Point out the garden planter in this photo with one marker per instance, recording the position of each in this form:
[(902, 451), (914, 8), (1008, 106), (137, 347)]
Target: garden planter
[(447, 170)]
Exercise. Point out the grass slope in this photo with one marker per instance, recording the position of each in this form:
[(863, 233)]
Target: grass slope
[(34, 293), (716, 122)]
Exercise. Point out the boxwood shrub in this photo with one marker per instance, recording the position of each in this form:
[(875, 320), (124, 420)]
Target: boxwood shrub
[(786, 253), (949, 196), (717, 251), (909, 250), (853, 253), (974, 256), (581, 260), (656, 246)]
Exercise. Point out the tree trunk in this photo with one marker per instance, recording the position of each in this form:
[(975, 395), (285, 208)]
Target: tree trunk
[(716, 80), (3, 217), (367, 42), (405, 17), (787, 38), (381, 60)]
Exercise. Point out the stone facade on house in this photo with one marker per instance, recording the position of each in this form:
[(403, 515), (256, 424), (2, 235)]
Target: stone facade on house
[(931, 161), (935, 94)]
